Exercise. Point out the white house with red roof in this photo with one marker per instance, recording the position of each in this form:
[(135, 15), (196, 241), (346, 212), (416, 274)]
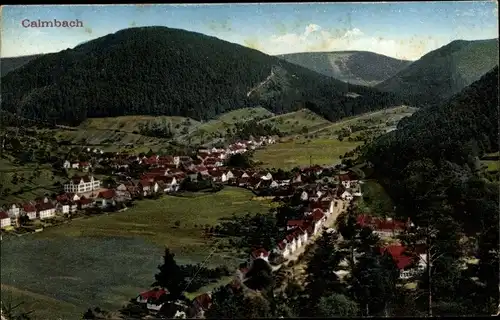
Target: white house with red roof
[(5, 220), (45, 210), (106, 198), (383, 227), (171, 184), (14, 210), (218, 176), (409, 264), (259, 254), (152, 298), (30, 211)]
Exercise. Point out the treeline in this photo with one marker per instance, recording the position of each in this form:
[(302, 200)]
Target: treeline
[(430, 167), (163, 71), (161, 129), (246, 130)]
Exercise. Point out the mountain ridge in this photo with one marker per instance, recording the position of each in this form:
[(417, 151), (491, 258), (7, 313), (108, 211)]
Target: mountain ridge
[(445, 71), (353, 66), (165, 71)]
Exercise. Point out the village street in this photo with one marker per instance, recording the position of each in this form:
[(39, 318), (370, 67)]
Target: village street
[(297, 270)]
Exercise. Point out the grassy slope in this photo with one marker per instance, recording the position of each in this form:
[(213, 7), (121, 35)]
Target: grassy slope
[(106, 260), (132, 123), (39, 186), (321, 144), (287, 155), (211, 128), (294, 122)]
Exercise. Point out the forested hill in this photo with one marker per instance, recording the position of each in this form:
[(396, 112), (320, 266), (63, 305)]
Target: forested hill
[(461, 129), (357, 67), (164, 71), (430, 168), (445, 71), (12, 63)]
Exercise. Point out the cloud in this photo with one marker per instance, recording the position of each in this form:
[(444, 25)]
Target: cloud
[(315, 38), (311, 28), (353, 33)]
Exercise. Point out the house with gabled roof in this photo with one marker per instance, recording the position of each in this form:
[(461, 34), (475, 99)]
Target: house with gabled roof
[(5, 220), (14, 210), (106, 198), (30, 211), (409, 264), (45, 210), (151, 295)]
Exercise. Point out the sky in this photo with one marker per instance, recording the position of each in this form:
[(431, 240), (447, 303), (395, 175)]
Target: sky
[(401, 30)]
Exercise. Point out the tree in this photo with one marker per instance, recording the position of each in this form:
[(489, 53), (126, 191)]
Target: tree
[(170, 276), (373, 283), (337, 305), (239, 160), (322, 279), (226, 304)]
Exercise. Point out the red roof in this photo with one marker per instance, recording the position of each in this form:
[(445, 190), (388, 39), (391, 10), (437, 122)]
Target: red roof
[(317, 215), (29, 208), (260, 252), (84, 201), (154, 294), (3, 215), (203, 300), (295, 223), (396, 251), (281, 245), (44, 206), (108, 194), (380, 224)]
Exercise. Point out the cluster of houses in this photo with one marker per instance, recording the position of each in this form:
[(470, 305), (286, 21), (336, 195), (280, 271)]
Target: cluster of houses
[(321, 202), (165, 176)]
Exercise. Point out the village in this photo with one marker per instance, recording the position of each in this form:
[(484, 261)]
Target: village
[(325, 197)]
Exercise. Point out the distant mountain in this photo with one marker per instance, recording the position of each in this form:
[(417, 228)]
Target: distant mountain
[(445, 71), (12, 63), (164, 71), (357, 67)]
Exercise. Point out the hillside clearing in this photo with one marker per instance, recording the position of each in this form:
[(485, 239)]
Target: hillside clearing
[(297, 122)]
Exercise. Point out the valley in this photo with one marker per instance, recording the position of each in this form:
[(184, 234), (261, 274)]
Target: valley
[(256, 161)]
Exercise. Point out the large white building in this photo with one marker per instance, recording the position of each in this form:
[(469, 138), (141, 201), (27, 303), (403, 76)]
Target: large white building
[(82, 184)]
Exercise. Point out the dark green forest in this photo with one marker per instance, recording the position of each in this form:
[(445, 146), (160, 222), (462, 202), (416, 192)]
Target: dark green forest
[(164, 71), (430, 167)]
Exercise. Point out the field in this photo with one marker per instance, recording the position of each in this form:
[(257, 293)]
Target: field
[(216, 128), (133, 123), (302, 151), (297, 122), (106, 260), (320, 144), (110, 140), (33, 183)]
